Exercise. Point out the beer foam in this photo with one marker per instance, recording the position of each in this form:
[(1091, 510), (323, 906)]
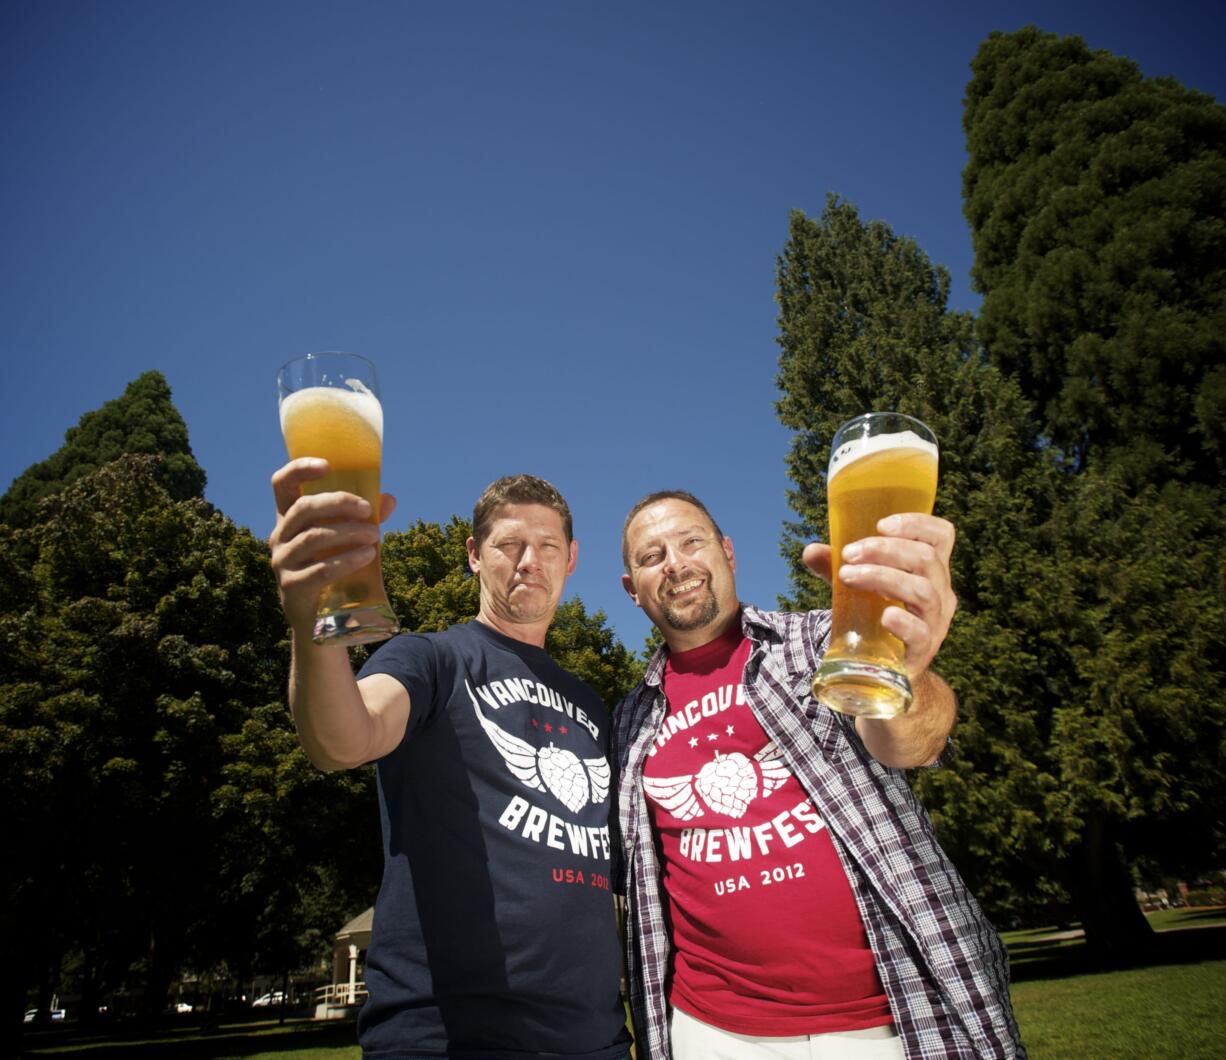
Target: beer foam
[(858, 448), (358, 401)]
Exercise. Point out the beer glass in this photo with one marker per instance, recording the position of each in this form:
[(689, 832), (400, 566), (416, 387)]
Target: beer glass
[(330, 408), (881, 463)]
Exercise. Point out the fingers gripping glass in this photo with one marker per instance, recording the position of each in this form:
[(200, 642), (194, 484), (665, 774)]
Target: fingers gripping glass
[(330, 408), (881, 463)]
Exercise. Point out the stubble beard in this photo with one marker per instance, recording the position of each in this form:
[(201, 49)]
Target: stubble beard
[(531, 606), (700, 613)]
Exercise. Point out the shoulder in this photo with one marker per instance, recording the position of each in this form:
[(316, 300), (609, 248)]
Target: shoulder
[(786, 625), (629, 712), (626, 703), (409, 657), (798, 636)]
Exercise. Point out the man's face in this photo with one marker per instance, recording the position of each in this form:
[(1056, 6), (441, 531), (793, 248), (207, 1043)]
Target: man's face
[(681, 573), (523, 563)]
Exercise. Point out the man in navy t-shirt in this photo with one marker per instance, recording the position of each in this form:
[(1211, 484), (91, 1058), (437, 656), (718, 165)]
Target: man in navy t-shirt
[(494, 934)]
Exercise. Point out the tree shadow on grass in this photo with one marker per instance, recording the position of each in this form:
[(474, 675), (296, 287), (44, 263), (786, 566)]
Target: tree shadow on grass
[(1047, 959), (195, 1043)]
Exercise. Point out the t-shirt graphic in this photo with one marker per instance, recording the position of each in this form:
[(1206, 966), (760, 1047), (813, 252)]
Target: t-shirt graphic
[(572, 780), (494, 934), (767, 937), (727, 784)]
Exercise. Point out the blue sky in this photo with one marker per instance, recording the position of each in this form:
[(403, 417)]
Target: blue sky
[(553, 225)]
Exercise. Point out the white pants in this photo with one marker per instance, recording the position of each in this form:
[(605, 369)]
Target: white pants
[(694, 1040)]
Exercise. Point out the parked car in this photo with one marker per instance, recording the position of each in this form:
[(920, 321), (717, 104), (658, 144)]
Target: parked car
[(32, 1015), (264, 1000)]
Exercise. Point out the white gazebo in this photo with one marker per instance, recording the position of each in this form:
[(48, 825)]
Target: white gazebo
[(348, 989)]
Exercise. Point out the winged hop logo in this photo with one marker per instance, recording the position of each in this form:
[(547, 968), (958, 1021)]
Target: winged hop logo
[(727, 784), (574, 781)]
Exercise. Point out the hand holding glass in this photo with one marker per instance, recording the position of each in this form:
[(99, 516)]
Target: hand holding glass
[(330, 409), (881, 464)]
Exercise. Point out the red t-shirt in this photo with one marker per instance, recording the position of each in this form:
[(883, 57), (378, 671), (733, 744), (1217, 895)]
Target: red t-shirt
[(767, 936)]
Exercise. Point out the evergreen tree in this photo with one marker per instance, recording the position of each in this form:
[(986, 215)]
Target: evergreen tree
[(1097, 203), (1096, 199), (152, 630), (143, 420), (864, 326), (1087, 651), (165, 815)]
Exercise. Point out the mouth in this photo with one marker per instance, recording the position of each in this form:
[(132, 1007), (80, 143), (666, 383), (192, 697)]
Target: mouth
[(674, 592)]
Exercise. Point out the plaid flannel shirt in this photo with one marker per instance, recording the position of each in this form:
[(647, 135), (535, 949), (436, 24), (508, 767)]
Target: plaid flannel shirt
[(942, 964)]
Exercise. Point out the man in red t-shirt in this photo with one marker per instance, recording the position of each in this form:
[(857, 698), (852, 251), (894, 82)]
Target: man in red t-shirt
[(768, 954)]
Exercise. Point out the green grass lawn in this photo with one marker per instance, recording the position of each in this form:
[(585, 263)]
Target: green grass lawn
[(299, 1039), (1159, 1013)]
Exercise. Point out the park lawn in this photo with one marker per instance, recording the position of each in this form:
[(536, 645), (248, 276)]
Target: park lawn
[(299, 1039), (1158, 1013)]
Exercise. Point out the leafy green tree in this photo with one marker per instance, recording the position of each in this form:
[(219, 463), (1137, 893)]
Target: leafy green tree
[(301, 854), (143, 420)]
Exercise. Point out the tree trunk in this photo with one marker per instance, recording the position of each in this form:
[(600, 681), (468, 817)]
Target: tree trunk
[(1117, 933), (160, 971), (13, 984)]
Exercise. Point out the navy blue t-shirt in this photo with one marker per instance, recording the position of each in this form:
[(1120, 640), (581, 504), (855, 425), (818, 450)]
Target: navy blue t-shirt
[(494, 932)]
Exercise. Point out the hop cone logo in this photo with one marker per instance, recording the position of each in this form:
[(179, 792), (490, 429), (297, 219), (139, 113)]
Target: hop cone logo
[(565, 776), (728, 784)]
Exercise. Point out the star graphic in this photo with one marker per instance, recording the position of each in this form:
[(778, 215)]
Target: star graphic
[(729, 730), (548, 727), (710, 735), (693, 741), (563, 729), (536, 724)]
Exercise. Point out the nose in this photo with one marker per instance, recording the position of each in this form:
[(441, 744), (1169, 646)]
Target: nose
[(529, 559)]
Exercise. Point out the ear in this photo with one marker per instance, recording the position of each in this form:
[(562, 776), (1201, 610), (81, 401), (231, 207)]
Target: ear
[(727, 543), (474, 557), (574, 558), (628, 585)]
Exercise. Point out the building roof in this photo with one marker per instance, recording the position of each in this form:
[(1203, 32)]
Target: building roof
[(359, 925)]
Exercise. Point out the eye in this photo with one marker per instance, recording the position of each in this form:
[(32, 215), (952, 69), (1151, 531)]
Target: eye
[(649, 559)]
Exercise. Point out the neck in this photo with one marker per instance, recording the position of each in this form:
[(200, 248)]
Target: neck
[(525, 632), (688, 639)]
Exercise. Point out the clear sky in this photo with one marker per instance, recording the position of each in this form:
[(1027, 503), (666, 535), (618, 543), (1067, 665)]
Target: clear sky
[(552, 225)]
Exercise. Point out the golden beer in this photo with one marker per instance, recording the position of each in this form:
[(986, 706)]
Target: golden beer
[(880, 465), (329, 409)]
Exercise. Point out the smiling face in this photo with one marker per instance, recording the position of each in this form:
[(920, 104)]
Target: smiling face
[(522, 563), (681, 573)]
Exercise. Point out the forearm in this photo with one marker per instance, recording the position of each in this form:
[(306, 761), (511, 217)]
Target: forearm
[(919, 736), (334, 726)]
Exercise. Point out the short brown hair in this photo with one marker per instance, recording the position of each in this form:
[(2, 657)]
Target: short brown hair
[(517, 489), (663, 495)]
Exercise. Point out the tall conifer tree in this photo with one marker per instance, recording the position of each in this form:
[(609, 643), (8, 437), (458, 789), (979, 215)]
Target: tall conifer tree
[(143, 420), (1097, 202)]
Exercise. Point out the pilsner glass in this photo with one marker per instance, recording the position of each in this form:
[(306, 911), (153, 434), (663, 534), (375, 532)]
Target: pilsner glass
[(330, 409), (881, 463)]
